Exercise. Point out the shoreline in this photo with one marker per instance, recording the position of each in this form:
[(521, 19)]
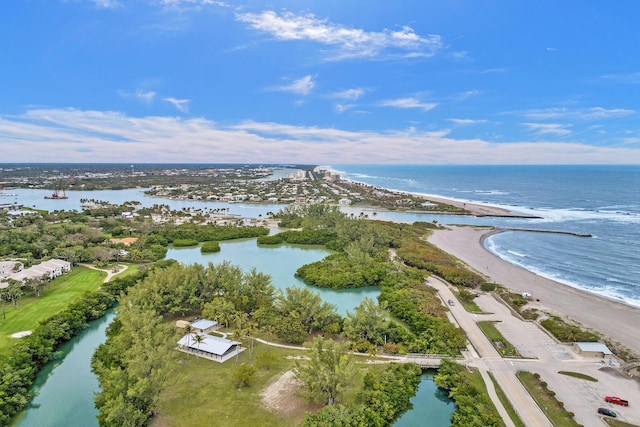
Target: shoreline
[(612, 319), (471, 208)]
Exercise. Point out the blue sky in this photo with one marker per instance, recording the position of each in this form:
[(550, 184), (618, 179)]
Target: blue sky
[(320, 82)]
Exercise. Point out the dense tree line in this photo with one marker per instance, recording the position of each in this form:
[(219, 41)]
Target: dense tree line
[(208, 232), (31, 353), (302, 237), (473, 406), (384, 397), (424, 255)]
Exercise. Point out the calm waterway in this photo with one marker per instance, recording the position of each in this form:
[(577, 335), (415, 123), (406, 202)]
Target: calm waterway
[(431, 406), (281, 263), (65, 387)]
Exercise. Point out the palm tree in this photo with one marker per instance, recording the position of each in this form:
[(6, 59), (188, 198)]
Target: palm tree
[(198, 339), (188, 329)]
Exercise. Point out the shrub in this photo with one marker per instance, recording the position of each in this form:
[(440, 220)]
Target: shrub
[(243, 374), (265, 360), (185, 242), (210, 247), (488, 287), (269, 240)]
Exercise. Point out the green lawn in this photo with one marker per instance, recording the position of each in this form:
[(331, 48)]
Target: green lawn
[(55, 297), (546, 400), (202, 393), (506, 349)]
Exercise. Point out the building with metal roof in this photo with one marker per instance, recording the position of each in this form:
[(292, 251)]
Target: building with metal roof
[(591, 349), (211, 347), (204, 326)]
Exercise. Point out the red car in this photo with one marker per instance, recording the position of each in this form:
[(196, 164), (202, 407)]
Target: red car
[(616, 400)]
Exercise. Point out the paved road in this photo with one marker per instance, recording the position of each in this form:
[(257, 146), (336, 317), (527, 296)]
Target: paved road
[(489, 360), (545, 356)]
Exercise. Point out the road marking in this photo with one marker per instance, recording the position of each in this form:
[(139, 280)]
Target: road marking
[(524, 405)]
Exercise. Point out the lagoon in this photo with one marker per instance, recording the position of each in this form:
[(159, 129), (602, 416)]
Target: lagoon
[(281, 263)]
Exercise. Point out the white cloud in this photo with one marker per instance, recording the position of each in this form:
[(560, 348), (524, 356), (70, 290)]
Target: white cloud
[(140, 95), (408, 103), (107, 4), (593, 113), (467, 94), (464, 122), (556, 129), (349, 94), (181, 104), (71, 135), (145, 96), (341, 108), (629, 78), (348, 42), (302, 86)]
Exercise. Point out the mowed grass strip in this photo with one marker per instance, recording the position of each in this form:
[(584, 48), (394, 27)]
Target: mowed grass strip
[(505, 402), (617, 423), (546, 400), (202, 392), (490, 330), (579, 375), (55, 297)]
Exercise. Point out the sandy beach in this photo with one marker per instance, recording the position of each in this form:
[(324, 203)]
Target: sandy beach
[(613, 319), (477, 209)]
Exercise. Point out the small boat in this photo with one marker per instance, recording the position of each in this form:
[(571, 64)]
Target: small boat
[(57, 195)]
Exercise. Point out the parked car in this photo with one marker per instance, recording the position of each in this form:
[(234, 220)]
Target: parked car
[(450, 302), (608, 412), (616, 400)]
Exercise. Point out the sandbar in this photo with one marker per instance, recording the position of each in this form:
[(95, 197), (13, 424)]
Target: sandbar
[(612, 319)]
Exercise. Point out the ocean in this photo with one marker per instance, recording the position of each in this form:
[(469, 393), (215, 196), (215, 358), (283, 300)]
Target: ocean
[(603, 201)]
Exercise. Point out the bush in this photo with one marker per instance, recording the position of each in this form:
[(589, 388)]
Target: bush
[(488, 287), (270, 240), (210, 247), (265, 360), (566, 332), (185, 242), (243, 374)]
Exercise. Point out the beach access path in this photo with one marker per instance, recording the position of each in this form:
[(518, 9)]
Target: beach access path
[(615, 320)]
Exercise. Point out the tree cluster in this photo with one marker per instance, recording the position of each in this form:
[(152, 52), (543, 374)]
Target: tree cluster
[(384, 397), (473, 406)]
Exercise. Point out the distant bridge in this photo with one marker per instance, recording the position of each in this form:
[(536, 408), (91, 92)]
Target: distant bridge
[(425, 361)]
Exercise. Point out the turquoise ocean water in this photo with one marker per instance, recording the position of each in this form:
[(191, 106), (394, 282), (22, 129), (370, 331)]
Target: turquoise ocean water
[(600, 200)]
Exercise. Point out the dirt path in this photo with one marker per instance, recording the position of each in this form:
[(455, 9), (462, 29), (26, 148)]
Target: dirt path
[(110, 273)]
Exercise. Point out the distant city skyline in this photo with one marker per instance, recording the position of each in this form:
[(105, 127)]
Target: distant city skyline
[(320, 82)]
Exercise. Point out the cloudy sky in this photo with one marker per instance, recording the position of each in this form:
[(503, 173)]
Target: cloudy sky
[(320, 82)]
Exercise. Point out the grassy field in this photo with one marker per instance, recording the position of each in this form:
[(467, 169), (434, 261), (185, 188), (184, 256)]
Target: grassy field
[(202, 393), (55, 297), (507, 349), (546, 400), (505, 402)]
